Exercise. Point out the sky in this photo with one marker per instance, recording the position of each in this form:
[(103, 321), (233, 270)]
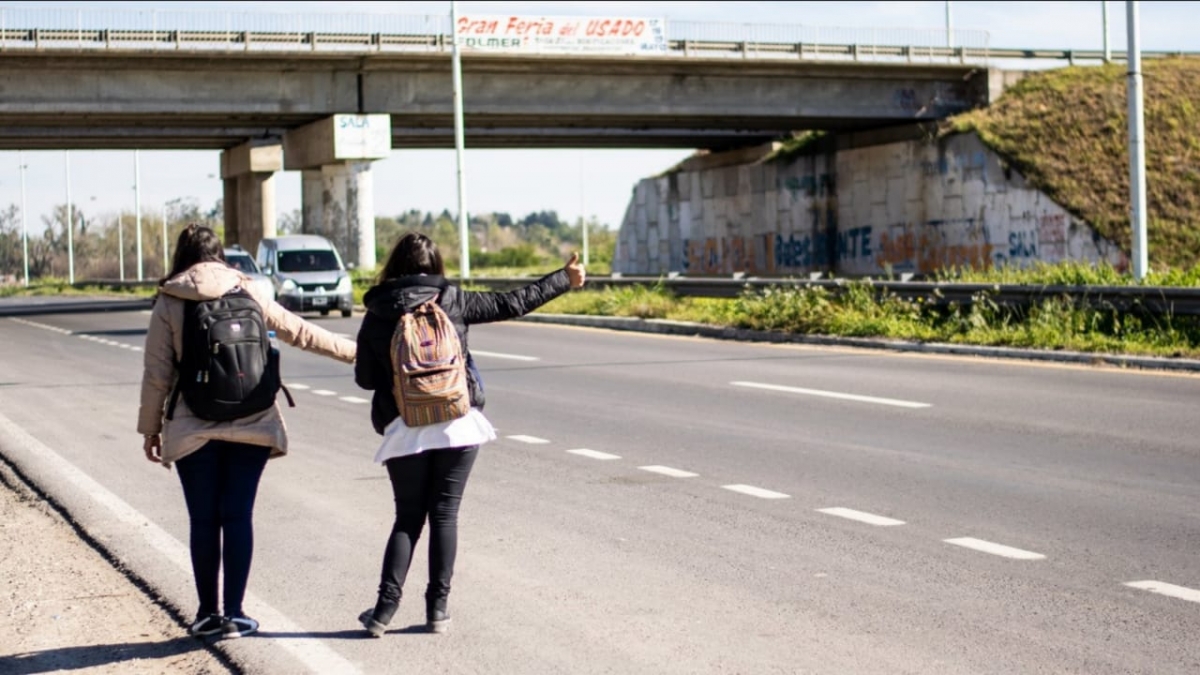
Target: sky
[(572, 182)]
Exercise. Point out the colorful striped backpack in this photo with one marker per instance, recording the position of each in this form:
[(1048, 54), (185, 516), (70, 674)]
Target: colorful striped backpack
[(429, 373)]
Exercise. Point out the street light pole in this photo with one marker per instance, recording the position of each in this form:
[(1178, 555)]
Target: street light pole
[(1104, 15), (121, 245), (166, 252), (949, 27), (456, 67), (70, 221), (137, 214), (24, 223), (1137, 145)]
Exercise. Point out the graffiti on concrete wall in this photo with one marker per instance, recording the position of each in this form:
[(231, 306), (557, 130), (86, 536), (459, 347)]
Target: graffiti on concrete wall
[(926, 247)]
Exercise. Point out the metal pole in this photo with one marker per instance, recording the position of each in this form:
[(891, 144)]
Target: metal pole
[(70, 221), (583, 212), (456, 66), (121, 245), (24, 224), (166, 254), (1137, 147), (137, 214), (1104, 14), (949, 27)]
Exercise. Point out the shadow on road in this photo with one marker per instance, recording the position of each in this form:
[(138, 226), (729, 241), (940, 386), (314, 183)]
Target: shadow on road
[(352, 634), (67, 659), (118, 331)]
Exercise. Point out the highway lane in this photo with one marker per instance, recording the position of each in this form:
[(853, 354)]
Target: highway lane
[(584, 562)]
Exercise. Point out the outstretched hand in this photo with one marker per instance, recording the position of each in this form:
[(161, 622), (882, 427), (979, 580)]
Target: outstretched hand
[(575, 271)]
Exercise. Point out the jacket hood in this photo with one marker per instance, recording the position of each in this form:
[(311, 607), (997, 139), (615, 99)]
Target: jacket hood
[(205, 281), (394, 297)]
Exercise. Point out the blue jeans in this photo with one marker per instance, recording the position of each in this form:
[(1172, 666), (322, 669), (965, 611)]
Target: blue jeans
[(429, 485), (220, 481)]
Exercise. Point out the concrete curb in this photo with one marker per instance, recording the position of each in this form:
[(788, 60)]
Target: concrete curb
[(665, 327)]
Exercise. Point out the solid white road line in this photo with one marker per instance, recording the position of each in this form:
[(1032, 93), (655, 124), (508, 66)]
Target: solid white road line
[(309, 650), (1162, 588), (994, 549), (594, 454), (861, 516), (352, 399), (528, 439), (756, 491), (298, 387), (833, 394), (668, 471), (324, 392), (511, 357)]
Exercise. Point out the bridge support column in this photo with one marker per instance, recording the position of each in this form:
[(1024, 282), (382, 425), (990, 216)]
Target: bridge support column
[(338, 200), (248, 172)]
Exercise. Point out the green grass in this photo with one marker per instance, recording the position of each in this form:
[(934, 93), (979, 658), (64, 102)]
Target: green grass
[(1065, 130), (858, 311), (54, 286)]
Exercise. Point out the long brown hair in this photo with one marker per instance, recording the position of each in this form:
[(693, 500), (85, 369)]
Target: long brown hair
[(196, 244), (414, 253)]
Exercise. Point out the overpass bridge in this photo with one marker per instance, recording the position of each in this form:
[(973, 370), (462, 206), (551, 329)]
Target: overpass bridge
[(326, 95)]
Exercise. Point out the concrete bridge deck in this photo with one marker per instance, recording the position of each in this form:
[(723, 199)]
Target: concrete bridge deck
[(60, 99)]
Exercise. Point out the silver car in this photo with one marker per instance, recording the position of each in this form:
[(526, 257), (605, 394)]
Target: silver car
[(241, 261)]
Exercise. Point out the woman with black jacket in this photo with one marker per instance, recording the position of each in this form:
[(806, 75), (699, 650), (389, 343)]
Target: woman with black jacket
[(429, 465)]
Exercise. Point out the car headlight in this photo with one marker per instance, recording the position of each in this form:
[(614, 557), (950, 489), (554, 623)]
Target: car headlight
[(289, 286), (345, 285)]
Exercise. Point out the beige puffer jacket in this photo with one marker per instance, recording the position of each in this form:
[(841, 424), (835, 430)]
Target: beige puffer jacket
[(186, 433)]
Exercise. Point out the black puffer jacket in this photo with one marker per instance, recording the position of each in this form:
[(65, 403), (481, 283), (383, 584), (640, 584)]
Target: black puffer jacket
[(387, 301)]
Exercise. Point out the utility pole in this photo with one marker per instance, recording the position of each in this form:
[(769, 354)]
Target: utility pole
[(949, 27), (70, 221), (1137, 145), (121, 245), (1104, 15), (137, 214), (24, 224), (464, 233), (166, 251)]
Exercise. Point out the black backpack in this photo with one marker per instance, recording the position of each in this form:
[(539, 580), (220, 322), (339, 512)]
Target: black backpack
[(228, 369)]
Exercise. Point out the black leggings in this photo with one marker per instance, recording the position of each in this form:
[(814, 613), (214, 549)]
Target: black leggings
[(427, 484), (220, 481)]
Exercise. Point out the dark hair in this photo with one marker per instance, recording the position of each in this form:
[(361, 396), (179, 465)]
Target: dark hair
[(196, 244), (414, 253)]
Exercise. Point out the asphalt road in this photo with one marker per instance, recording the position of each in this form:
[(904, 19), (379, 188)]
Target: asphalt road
[(693, 506)]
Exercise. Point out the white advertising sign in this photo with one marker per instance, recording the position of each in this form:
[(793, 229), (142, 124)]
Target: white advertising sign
[(628, 36), (362, 136)]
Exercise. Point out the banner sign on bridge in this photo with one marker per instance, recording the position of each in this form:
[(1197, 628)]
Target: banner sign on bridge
[(628, 36)]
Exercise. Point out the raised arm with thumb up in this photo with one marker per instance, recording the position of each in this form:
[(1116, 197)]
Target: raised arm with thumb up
[(575, 271)]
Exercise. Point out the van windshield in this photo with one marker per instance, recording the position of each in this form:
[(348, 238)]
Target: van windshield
[(307, 261)]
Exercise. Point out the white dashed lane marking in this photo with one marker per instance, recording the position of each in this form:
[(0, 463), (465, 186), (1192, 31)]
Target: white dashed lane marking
[(497, 355), (832, 394), (755, 491), (298, 387), (1171, 590), (593, 454), (668, 471), (353, 399), (534, 440), (861, 516), (994, 549), (324, 392)]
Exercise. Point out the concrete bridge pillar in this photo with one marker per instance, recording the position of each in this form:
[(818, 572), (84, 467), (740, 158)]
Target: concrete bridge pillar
[(338, 200), (248, 172)]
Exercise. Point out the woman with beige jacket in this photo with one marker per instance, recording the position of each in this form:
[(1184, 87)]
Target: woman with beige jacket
[(219, 463)]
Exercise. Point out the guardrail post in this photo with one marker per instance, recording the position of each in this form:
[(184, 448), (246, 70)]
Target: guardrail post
[(378, 38), (908, 53), (854, 51), (800, 50), (1071, 57), (745, 46), (178, 46), (312, 41), (246, 40), (37, 38)]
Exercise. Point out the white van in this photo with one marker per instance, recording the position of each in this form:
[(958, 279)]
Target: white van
[(308, 274)]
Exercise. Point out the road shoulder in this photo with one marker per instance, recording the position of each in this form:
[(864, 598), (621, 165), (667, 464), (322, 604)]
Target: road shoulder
[(70, 609)]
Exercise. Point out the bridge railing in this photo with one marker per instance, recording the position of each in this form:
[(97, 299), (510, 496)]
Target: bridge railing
[(88, 29)]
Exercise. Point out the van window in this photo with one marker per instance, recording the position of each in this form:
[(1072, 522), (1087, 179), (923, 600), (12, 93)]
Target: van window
[(307, 261), (242, 262)]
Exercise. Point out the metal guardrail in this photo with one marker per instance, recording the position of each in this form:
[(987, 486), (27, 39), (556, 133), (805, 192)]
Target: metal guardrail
[(84, 29), (1161, 300)]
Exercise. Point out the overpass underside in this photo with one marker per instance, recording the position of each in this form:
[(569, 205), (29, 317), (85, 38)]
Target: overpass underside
[(218, 101)]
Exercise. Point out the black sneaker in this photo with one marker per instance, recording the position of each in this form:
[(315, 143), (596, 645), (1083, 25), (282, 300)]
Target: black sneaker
[(206, 624), (367, 619), (239, 626)]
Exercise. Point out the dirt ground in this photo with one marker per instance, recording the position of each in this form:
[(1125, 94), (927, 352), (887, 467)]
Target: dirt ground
[(65, 608)]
